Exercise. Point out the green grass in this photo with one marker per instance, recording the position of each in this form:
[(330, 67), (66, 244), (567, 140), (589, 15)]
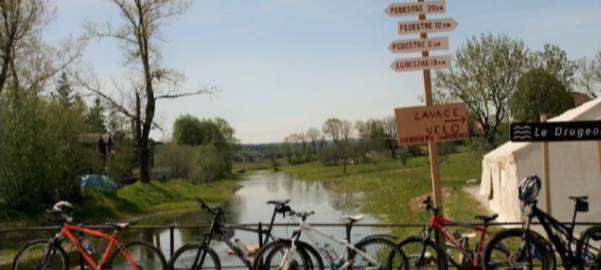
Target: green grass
[(131, 201), (393, 191)]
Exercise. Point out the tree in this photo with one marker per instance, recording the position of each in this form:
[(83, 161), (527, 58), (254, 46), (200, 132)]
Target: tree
[(484, 76), (20, 20), (313, 135), (346, 134), (390, 139), (555, 62), (539, 92), (589, 75), (64, 91), (187, 130), (331, 128), (95, 118), (139, 35)]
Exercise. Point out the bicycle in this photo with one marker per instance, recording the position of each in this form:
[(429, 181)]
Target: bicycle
[(424, 253), (194, 255), (49, 254), (586, 255), (388, 256)]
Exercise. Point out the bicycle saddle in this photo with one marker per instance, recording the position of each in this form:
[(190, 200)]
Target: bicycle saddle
[(118, 226), (350, 219), (581, 203), (579, 198), (278, 202), (487, 218)]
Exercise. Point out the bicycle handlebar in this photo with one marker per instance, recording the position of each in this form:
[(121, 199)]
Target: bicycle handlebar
[(215, 211), (428, 204)]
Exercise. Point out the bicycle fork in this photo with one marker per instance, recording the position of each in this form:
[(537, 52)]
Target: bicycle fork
[(285, 264)]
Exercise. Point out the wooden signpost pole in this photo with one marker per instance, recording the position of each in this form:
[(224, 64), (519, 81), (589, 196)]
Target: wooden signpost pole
[(546, 172), (432, 147)]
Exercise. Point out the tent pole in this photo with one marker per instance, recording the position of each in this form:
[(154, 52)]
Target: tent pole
[(546, 172), (599, 151)]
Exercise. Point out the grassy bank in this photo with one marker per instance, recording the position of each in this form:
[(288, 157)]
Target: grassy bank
[(132, 201), (394, 192)]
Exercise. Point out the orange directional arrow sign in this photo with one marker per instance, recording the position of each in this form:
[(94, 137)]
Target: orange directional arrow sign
[(406, 9), (419, 45), (421, 63), (427, 26)]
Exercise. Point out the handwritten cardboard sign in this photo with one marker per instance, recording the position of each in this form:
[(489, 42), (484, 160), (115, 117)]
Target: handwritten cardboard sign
[(428, 124)]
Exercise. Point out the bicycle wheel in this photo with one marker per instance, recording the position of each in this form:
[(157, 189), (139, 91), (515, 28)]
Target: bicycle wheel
[(274, 254), (509, 249), (588, 249), (145, 255), (378, 252), (184, 257), (433, 258), (39, 254)]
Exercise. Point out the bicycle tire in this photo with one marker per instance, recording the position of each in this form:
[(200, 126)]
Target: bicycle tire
[(538, 247), (589, 257), (21, 260), (395, 254), (440, 257), (145, 255), (179, 261), (279, 247)]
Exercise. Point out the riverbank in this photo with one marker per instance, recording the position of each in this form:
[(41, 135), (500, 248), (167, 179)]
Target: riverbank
[(133, 201), (394, 192)]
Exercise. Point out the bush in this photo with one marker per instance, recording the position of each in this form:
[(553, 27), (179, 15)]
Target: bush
[(209, 164), (40, 158), (178, 158)]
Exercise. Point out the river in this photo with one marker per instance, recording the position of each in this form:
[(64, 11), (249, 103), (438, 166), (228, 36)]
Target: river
[(248, 205)]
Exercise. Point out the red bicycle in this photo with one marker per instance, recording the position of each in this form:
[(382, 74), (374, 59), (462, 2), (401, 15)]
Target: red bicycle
[(49, 254), (423, 253)]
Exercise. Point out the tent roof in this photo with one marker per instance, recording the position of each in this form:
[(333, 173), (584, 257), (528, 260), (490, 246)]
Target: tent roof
[(505, 152)]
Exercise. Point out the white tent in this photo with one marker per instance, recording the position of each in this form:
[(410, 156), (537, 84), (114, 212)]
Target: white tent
[(574, 171)]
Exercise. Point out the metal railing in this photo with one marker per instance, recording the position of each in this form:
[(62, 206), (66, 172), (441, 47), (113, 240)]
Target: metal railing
[(261, 228)]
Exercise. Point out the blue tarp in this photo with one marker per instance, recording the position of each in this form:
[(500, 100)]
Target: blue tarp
[(92, 181)]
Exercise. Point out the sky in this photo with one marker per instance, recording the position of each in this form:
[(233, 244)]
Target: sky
[(284, 66)]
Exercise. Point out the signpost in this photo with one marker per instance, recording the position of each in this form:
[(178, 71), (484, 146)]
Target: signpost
[(419, 45), (430, 124), (421, 63), (426, 26), (426, 63), (555, 131), (407, 9)]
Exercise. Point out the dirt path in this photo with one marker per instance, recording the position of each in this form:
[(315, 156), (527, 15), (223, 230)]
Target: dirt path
[(474, 191)]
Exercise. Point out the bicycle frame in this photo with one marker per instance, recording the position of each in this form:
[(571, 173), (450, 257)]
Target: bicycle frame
[(439, 224), (309, 230), (112, 241), (216, 225), (550, 224)]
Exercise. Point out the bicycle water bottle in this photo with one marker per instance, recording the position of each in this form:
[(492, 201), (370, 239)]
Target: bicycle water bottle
[(87, 246), (330, 251)]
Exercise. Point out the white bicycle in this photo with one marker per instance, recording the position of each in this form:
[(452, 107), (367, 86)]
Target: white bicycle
[(376, 252)]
